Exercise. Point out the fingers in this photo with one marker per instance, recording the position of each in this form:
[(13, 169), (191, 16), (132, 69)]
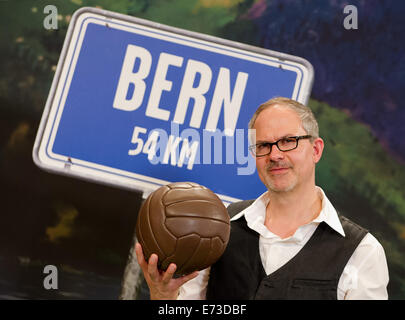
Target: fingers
[(139, 256), (168, 275), (152, 267), (149, 268), (187, 277)]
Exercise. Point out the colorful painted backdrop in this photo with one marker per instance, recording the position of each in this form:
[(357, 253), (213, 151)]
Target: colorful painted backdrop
[(86, 229)]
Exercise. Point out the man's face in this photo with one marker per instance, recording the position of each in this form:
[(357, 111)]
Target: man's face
[(284, 171)]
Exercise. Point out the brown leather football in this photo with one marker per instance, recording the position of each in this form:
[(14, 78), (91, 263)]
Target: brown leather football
[(184, 223)]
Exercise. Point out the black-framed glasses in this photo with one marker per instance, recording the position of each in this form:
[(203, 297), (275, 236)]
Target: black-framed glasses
[(284, 144)]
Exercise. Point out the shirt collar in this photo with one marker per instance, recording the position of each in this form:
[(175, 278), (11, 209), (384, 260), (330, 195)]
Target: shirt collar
[(256, 212), (329, 214)]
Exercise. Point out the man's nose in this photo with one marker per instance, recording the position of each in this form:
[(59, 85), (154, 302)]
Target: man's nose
[(275, 154)]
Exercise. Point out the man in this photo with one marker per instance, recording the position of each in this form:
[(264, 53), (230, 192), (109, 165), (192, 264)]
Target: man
[(290, 243)]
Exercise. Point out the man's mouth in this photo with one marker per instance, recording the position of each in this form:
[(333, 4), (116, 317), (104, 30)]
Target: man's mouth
[(278, 169)]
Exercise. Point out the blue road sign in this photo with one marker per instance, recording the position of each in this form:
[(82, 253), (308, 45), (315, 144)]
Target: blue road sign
[(137, 105)]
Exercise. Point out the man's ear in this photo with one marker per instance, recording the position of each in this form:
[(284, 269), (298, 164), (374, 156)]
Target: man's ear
[(318, 146)]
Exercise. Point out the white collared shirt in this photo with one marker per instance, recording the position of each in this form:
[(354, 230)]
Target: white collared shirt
[(364, 277)]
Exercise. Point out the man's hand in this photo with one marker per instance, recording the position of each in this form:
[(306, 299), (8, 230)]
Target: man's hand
[(161, 284)]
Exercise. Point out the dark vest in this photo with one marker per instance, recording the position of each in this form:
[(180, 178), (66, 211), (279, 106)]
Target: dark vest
[(313, 273)]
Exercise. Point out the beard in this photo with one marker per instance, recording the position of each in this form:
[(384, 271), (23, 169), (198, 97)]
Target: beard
[(282, 183)]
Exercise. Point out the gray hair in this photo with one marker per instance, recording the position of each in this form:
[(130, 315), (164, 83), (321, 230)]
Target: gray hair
[(308, 121)]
